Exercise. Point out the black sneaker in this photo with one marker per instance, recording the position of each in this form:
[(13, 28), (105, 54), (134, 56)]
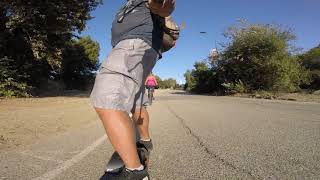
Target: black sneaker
[(144, 149), (126, 174), (145, 144)]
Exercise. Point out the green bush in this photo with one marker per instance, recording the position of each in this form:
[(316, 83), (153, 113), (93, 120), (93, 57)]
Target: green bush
[(80, 59), (258, 55), (11, 88), (311, 61), (198, 79), (169, 83), (256, 58), (10, 80), (289, 74), (233, 88), (190, 81)]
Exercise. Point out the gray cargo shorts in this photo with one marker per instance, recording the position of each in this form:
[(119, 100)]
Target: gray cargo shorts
[(119, 84)]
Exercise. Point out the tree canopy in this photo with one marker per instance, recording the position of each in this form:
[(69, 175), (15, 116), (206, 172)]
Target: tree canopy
[(33, 35), (256, 57), (311, 61), (80, 59)]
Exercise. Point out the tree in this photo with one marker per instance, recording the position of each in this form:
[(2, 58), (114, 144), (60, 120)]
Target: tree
[(201, 75), (34, 33), (18, 65), (48, 25), (258, 56), (311, 61), (202, 79), (9, 80), (169, 83), (190, 81), (80, 59), (159, 81), (166, 83)]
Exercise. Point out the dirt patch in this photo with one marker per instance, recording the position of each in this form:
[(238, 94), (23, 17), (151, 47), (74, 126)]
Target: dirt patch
[(300, 97), (24, 121), (27, 120)]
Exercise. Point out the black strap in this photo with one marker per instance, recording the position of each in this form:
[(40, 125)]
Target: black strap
[(127, 11)]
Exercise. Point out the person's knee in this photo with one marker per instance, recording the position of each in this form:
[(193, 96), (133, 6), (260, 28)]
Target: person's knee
[(109, 114)]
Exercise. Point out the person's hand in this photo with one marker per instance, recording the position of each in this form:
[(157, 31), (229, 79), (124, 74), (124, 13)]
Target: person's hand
[(163, 9)]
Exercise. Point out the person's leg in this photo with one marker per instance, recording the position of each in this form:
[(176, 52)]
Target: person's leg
[(112, 98), (118, 93), (140, 114), (120, 131), (148, 90), (141, 117), (153, 92)]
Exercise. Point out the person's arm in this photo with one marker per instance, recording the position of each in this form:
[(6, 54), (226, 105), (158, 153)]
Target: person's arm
[(162, 7), (155, 80)]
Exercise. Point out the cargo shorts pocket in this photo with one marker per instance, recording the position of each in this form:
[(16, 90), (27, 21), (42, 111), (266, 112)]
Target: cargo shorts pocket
[(117, 60)]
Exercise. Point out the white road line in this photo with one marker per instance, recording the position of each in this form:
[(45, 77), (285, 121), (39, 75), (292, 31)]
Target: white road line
[(59, 169)]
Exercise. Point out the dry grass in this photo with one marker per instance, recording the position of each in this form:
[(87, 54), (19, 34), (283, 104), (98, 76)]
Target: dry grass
[(24, 121)]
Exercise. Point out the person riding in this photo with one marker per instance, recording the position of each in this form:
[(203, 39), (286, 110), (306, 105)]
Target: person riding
[(138, 42), (151, 83)]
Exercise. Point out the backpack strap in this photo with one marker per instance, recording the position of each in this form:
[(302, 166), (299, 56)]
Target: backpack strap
[(127, 9)]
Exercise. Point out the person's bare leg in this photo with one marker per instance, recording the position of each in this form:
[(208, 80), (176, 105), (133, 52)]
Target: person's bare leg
[(141, 116), (121, 134)]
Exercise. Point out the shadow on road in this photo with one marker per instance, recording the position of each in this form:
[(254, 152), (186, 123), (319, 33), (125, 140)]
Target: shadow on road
[(181, 93), (65, 93), (191, 94)]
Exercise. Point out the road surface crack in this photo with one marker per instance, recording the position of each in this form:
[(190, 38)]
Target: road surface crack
[(206, 149)]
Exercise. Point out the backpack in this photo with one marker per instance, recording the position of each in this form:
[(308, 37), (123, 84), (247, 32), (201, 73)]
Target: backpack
[(171, 29), (170, 35)]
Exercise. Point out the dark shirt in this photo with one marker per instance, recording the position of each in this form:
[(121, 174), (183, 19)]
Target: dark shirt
[(139, 23)]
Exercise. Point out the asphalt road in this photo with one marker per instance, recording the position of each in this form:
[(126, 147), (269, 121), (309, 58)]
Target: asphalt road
[(195, 137)]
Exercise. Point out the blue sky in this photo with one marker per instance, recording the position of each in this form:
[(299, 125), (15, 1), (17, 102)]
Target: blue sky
[(214, 17)]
